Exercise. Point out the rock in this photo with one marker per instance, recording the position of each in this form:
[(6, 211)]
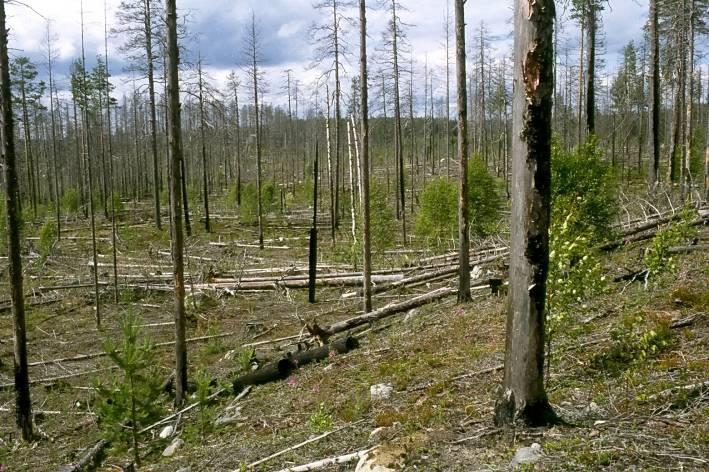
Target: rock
[(375, 435), (234, 418), (229, 355), (410, 315), (382, 459), (527, 455), (380, 391), (594, 409), (167, 432), (173, 447)]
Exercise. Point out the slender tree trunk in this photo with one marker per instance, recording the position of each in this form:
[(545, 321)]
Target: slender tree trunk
[(203, 148), (522, 396), (686, 177), (153, 119), (89, 173), (580, 85), (176, 160), (110, 160), (397, 122), (364, 171), (463, 212), (23, 403), (654, 122), (55, 166), (592, 25)]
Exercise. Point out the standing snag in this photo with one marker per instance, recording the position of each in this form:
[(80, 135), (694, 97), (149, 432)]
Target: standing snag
[(522, 396)]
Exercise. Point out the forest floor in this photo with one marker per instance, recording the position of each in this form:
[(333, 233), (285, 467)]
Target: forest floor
[(617, 376)]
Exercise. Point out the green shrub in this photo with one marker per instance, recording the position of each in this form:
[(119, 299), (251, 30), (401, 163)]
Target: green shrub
[(635, 339), (437, 217), (320, 421), (231, 198), (47, 237), (70, 201), (575, 273), (117, 203), (583, 180), (483, 198), (248, 212), (269, 197), (131, 401), (657, 257)]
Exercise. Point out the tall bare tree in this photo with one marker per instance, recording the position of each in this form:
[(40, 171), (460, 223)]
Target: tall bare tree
[(176, 159), (23, 403), (463, 212), (654, 122), (135, 18), (522, 396), (364, 153)]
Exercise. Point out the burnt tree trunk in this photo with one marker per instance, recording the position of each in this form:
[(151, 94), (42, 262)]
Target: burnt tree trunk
[(176, 170), (522, 396), (23, 404)]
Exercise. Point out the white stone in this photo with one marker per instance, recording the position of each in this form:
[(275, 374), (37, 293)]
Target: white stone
[(173, 447), (527, 455), (380, 391), (167, 432), (368, 463)]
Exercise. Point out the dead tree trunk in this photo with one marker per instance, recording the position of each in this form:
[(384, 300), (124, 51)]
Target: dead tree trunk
[(463, 221), (654, 123), (176, 159), (23, 404), (364, 170), (522, 396)]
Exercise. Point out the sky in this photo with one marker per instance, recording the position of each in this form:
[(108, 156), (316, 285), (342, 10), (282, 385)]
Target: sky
[(218, 27)]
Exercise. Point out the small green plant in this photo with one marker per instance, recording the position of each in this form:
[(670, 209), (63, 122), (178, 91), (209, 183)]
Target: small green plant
[(658, 258), (321, 420), (47, 237), (244, 358), (383, 227), (637, 338), (131, 400), (204, 383), (117, 203), (70, 201)]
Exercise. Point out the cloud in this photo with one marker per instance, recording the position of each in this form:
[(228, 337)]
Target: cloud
[(219, 27)]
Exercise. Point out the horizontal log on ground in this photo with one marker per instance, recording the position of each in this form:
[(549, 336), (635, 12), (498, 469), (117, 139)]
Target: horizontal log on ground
[(687, 249), (389, 310), (282, 368), (295, 283)]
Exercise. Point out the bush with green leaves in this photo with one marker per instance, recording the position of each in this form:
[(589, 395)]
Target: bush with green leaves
[(636, 338), (231, 200), (320, 421), (582, 179), (437, 217), (658, 258), (47, 237), (575, 273), (70, 201), (131, 401), (248, 212), (483, 198), (117, 203)]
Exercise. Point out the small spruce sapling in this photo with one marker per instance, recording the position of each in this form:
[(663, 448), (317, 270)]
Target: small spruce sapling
[(132, 400)]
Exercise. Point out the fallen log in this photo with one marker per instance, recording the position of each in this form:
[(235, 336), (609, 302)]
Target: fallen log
[(388, 310), (91, 460), (322, 463), (646, 233), (282, 368), (299, 445)]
